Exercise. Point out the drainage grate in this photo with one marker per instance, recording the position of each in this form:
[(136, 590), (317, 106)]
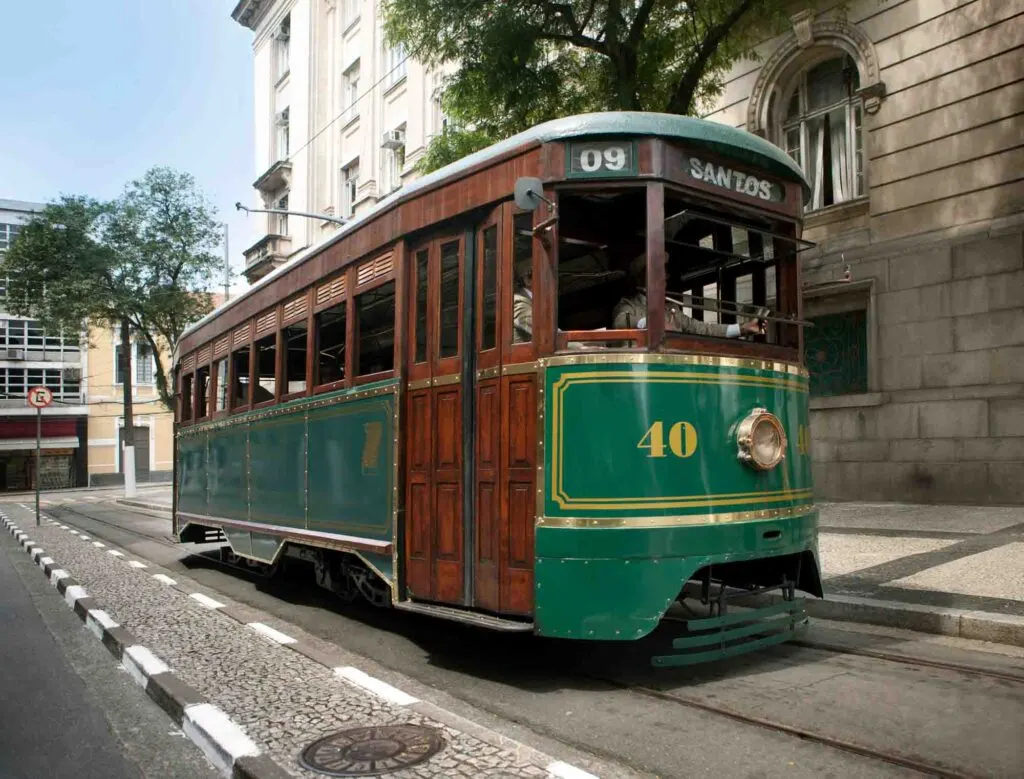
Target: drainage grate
[(371, 751)]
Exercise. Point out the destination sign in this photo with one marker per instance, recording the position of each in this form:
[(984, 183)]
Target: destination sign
[(601, 158), (735, 180)]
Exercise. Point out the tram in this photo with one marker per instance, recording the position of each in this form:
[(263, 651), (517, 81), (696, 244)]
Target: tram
[(556, 387)]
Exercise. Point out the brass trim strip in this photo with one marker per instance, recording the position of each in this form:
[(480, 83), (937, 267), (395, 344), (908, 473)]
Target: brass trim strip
[(488, 373), (419, 384), (686, 520), (633, 358), (444, 381), (520, 367)]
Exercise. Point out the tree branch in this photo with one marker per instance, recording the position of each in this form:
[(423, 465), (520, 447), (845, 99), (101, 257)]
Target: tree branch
[(643, 15), (686, 88)]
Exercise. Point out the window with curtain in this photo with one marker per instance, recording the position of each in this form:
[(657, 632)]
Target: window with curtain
[(821, 130)]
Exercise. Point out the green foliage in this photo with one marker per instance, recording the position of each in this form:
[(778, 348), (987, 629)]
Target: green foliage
[(146, 257), (516, 63)]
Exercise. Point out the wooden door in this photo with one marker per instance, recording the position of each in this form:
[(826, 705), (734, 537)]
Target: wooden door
[(436, 353)]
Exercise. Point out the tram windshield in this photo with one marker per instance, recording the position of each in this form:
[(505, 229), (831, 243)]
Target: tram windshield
[(722, 278)]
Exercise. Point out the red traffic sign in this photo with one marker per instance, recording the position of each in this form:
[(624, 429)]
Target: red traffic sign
[(40, 397)]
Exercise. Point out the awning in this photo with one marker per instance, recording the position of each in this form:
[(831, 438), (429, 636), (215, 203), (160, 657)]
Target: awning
[(21, 444)]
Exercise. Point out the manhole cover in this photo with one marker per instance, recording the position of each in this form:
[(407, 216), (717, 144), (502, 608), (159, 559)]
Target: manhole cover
[(371, 751)]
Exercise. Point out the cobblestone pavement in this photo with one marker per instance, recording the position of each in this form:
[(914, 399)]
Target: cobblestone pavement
[(283, 700)]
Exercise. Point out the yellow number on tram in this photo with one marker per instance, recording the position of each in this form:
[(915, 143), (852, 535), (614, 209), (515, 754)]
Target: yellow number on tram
[(682, 439)]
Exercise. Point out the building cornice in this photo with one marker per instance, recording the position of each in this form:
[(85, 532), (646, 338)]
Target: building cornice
[(249, 12)]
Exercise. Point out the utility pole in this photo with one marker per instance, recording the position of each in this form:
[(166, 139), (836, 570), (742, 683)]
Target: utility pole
[(129, 420), (227, 265)]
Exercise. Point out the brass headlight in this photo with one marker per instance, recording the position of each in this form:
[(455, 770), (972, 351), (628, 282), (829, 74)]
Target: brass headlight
[(761, 439)]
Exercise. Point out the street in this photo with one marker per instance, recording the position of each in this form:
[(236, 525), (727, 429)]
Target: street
[(849, 701)]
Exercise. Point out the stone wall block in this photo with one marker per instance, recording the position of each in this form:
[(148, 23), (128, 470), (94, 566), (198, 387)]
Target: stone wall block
[(914, 305), (931, 266), (988, 331), (844, 424), (956, 370), (969, 296), (901, 373), (914, 338), (1006, 290), (897, 420), (823, 451), (942, 482), (954, 419), (863, 451), (1006, 483), (992, 449), (1006, 416), (1007, 365), (940, 450), (988, 256)]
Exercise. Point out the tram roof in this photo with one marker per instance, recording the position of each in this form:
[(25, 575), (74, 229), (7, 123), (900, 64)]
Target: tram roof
[(699, 133)]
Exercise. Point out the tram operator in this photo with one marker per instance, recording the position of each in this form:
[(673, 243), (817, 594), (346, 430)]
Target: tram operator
[(631, 312)]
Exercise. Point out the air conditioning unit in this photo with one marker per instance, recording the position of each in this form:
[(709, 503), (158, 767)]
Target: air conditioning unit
[(393, 139), (15, 354)]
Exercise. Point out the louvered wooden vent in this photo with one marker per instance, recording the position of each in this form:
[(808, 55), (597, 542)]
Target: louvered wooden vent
[(242, 334), (330, 291), (203, 355), (374, 269), (296, 307), (188, 363), (266, 323), (220, 346)]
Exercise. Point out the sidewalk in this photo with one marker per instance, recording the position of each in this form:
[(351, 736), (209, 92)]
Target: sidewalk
[(256, 700), (953, 570)]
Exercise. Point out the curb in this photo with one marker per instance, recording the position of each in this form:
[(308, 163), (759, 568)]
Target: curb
[(138, 504), (958, 623), (221, 740)]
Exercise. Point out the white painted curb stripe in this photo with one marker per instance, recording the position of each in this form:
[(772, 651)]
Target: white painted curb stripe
[(221, 740), (137, 564), (269, 632), (141, 664), (98, 544), (44, 561), (376, 686), (566, 771), (96, 620), (73, 593), (115, 553), (36, 553), (57, 574), (83, 536), (164, 578), (207, 601)]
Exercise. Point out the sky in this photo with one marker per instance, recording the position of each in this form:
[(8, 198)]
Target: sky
[(96, 92)]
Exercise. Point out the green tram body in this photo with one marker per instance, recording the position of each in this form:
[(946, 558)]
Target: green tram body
[(639, 490)]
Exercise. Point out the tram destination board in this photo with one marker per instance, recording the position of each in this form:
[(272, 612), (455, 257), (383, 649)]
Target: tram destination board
[(601, 159)]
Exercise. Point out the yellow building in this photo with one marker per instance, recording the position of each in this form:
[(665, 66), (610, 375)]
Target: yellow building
[(104, 391)]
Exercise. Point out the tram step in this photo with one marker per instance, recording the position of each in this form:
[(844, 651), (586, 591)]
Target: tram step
[(469, 617)]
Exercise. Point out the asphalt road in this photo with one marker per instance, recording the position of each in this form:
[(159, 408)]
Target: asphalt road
[(66, 710), (612, 704)]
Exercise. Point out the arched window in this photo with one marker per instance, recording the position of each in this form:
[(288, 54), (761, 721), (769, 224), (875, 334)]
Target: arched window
[(821, 130)]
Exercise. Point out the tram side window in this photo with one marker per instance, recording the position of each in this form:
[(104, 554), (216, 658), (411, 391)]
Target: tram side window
[(240, 377), (295, 357), (266, 370), (330, 345), (375, 329), (186, 398), (222, 385), (422, 267), (522, 279), (489, 325), (202, 391), (449, 311)]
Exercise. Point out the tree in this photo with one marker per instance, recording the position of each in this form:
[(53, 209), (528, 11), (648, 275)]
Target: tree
[(139, 264), (521, 62)]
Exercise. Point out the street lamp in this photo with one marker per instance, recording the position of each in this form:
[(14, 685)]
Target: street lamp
[(324, 217)]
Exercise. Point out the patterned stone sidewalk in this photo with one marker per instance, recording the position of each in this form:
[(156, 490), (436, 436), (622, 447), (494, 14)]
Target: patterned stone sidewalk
[(263, 679)]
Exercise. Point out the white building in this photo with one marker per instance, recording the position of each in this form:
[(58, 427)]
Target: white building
[(340, 117), (30, 357)]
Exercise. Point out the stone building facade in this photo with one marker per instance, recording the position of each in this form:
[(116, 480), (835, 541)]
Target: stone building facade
[(908, 118), (340, 117)]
